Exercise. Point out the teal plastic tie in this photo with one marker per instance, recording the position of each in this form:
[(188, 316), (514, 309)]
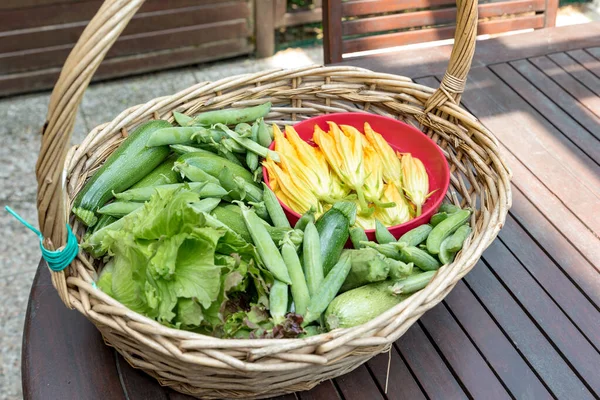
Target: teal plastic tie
[(57, 259)]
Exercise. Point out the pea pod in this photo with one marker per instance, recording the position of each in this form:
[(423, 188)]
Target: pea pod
[(358, 235), (398, 269), (266, 248), (173, 135), (278, 301), (389, 250), (103, 221), (182, 119), (183, 149), (205, 205), (204, 189), (437, 218), (418, 257), (311, 255), (274, 208), (244, 130), (416, 236), (307, 217), (264, 137), (213, 165), (119, 208), (232, 116), (328, 289), (382, 234), (194, 173), (445, 229), (249, 143), (251, 157), (452, 244), (300, 293), (448, 208)]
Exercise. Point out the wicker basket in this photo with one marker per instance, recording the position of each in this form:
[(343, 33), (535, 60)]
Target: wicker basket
[(214, 368)]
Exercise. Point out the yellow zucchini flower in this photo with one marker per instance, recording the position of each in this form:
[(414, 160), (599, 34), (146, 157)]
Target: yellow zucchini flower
[(394, 215), (374, 175), (392, 169), (416, 181)]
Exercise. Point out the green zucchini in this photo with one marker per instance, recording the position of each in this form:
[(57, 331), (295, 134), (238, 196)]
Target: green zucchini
[(444, 229), (416, 236), (333, 228), (126, 166), (161, 175)]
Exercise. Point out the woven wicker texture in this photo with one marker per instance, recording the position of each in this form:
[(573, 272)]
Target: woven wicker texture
[(215, 368)]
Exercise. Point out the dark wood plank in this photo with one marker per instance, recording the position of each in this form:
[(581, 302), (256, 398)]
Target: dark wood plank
[(577, 70), (524, 334), (489, 338), (128, 45), (558, 95), (552, 240), (594, 51), (63, 355), (138, 385), (583, 94), (401, 384), (550, 14), (122, 66), (587, 60), (569, 127), (427, 35), (553, 280), (556, 161), (417, 63), (427, 365), (265, 30), (332, 31), (358, 385), (435, 17), (462, 355), (553, 320), (8, 4), (302, 17), (363, 7), (56, 35), (325, 390)]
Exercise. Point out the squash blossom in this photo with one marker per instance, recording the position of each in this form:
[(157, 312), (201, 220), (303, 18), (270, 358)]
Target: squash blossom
[(292, 192), (374, 171), (394, 215), (282, 145), (416, 181), (392, 169), (344, 153)]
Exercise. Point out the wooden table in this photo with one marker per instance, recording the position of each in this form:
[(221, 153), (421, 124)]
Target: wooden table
[(525, 323)]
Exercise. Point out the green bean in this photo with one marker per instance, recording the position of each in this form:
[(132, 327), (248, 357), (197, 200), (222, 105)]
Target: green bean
[(119, 208), (264, 137), (251, 157), (249, 144), (184, 149), (182, 119), (266, 248), (274, 208), (278, 301), (300, 293), (357, 235), (194, 173), (233, 116), (311, 255), (307, 217), (204, 189), (177, 135), (382, 234), (205, 205), (328, 289)]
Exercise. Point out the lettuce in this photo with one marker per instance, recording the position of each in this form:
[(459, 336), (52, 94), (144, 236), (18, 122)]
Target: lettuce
[(179, 267)]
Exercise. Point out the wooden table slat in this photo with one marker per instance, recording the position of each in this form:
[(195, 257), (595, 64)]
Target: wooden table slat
[(594, 51), (401, 384), (358, 385), (577, 71), (587, 60), (325, 390)]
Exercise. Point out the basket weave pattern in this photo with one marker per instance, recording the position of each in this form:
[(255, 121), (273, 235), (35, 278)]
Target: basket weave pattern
[(208, 367)]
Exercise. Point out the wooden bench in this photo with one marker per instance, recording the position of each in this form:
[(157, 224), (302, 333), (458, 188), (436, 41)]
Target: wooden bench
[(361, 25)]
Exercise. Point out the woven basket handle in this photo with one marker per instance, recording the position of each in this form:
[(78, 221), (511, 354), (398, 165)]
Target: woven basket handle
[(98, 37)]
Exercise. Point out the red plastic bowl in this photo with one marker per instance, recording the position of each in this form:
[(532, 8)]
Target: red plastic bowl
[(403, 138)]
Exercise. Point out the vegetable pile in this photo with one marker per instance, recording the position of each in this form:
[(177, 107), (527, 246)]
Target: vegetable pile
[(191, 237), (344, 164)]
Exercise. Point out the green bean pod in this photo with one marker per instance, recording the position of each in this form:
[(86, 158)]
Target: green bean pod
[(264, 137), (251, 157), (274, 208), (382, 234), (232, 116), (328, 289), (119, 208), (300, 293), (311, 256), (307, 217), (278, 301), (267, 250), (357, 235)]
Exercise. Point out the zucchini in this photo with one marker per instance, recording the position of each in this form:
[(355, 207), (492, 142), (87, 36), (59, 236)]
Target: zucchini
[(416, 236), (444, 229), (360, 305), (161, 175), (333, 228), (126, 166)]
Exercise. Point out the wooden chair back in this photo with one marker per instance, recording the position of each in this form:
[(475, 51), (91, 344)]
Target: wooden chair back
[(360, 25)]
